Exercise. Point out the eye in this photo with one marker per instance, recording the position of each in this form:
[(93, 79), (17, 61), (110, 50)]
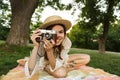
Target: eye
[(62, 31)]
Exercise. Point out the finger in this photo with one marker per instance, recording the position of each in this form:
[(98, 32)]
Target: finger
[(52, 41), (46, 43), (45, 46), (36, 31), (79, 61), (73, 57), (70, 65), (77, 65), (35, 36)]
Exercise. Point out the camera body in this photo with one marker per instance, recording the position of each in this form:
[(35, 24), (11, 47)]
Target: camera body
[(48, 34)]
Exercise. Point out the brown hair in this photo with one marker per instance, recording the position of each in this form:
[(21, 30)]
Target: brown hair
[(57, 49)]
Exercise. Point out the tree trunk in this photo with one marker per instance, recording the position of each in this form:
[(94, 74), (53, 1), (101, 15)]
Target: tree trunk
[(106, 24), (22, 11), (101, 45), (103, 38)]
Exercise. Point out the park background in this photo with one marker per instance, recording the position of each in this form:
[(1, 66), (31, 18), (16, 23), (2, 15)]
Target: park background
[(95, 30)]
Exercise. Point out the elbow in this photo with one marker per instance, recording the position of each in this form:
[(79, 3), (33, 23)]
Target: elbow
[(60, 73), (30, 71)]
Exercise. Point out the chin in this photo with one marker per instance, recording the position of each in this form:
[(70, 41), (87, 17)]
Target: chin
[(57, 44)]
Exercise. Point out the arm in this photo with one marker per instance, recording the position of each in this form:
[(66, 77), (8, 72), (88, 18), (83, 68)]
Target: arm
[(32, 59), (33, 56), (49, 51), (51, 59)]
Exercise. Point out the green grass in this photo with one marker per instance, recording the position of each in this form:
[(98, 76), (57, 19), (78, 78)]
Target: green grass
[(9, 55), (109, 61)]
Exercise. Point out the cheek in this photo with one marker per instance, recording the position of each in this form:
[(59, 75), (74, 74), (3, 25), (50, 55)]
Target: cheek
[(63, 35)]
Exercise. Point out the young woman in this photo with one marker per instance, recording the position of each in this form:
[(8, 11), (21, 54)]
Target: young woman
[(52, 55)]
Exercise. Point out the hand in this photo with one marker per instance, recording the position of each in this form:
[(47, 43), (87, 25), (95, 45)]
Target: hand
[(48, 45), (74, 64), (35, 35)]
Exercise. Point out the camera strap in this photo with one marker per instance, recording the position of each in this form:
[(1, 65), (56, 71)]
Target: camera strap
[(41, 50)]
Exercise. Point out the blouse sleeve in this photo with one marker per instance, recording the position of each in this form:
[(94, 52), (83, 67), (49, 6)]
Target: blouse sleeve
[(27, 73), (39, 66)]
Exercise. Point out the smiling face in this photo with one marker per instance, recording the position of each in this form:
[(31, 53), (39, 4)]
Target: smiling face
[(60, 34)]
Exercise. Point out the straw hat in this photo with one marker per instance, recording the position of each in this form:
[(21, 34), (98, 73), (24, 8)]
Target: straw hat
[(56, 20)]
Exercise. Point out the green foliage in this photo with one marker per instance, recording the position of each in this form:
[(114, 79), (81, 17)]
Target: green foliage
[(91, 15), (4, 20), (82, 38), (3, 33), (94, 13), (113, 40), (5, 14), (3, 5), (35, 21), (56, 4)]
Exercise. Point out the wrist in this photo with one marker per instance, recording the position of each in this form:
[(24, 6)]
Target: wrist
[(35, 47), (49, 51), (35, 50)]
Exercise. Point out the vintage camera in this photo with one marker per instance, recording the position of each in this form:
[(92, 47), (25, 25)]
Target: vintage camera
[(48, 34)]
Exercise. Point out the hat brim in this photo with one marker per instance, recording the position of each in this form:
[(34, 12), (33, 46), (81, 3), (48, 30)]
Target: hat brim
[(66, 23)]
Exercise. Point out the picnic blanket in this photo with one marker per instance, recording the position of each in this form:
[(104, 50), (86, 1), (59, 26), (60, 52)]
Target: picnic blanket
[(82, 73)]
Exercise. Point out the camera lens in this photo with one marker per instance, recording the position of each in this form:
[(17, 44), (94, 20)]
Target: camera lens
[(48, 36), (38, 39)]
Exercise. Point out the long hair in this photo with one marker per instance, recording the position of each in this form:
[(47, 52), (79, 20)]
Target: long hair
[(57, 49)]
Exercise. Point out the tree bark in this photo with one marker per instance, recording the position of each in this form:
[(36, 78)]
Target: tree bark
[(103, 38), (22, 11), (106, 24), (102, 41)]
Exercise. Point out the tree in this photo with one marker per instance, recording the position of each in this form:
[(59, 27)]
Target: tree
[(21, 15), (82, 38), (113, 40), (22, 11), (93, 16)]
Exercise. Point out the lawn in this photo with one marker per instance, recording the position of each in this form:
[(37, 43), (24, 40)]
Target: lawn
[(108, 61)]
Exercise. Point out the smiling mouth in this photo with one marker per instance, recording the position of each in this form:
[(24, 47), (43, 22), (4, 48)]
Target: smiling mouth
[(58, 40)]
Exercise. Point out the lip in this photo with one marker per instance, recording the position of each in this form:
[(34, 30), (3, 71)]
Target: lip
[(58, 40)]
